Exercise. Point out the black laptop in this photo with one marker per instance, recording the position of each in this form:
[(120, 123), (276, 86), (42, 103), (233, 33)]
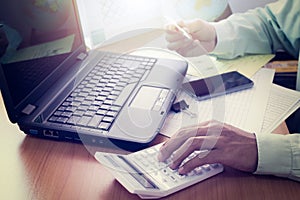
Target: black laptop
[(53, 88)]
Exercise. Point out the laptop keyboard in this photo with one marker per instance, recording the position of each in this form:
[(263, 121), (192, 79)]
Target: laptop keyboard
[(92, 103)]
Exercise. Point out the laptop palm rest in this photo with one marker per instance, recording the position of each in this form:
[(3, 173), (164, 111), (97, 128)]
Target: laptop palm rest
[(144, 113)]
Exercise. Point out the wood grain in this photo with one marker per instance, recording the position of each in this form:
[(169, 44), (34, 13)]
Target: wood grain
[(33, 168)]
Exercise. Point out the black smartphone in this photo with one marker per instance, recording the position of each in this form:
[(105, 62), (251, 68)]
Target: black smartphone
[(217, 85)]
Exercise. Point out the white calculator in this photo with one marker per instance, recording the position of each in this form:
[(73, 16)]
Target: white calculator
[(142, 174)]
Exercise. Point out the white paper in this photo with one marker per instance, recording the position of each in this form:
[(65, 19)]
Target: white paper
[(281, 103), (244, 109)]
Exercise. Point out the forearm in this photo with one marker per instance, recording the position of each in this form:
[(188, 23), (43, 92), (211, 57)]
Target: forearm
[(279, 155)]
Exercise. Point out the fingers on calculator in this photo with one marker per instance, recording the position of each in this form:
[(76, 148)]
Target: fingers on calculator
[(142, 174)]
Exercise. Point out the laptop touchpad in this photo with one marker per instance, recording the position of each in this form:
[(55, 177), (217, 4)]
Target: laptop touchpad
[(147, 97)]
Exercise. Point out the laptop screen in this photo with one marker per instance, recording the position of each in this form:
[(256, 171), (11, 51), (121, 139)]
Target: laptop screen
[(36, 36)]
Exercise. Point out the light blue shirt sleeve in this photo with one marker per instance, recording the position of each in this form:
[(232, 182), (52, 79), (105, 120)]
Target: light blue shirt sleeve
[(261, 31), (279, 155)]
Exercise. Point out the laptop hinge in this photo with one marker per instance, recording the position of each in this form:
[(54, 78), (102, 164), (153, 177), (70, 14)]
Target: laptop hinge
[(81, 56), (28, 109)]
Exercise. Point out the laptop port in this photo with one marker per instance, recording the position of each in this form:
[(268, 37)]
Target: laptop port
[(55, 134), (50, 133), (33, 131)]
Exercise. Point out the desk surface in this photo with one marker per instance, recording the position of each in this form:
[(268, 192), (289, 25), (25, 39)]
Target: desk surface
[(34, 168)]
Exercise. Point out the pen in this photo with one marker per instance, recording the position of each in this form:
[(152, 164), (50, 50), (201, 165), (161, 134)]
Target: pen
[(184, 32)]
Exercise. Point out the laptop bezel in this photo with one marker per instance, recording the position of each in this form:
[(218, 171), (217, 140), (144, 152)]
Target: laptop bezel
[(14, 112)]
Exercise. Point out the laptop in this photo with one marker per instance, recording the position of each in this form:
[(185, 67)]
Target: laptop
[(53, 88)]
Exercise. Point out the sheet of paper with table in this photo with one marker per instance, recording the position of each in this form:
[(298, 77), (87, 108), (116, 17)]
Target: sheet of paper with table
[(239, 109), (282, 103)]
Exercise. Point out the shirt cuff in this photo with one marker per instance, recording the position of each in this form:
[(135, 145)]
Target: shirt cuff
[(226, 39), (274, 154)]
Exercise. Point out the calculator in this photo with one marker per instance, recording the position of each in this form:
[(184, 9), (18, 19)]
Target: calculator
[(141, 173)]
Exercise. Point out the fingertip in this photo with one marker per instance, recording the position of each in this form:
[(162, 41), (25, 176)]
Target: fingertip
[(173, 166), (170, 28), (181, 23), (160, 157), (182, 171)]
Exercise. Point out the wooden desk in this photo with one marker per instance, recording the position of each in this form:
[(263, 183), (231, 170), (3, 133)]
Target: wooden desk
[(34, 168)]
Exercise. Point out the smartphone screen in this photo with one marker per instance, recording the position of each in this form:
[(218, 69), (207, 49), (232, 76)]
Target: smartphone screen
[(217, 85)]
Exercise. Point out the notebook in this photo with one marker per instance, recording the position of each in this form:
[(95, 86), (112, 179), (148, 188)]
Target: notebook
[(53, 88)]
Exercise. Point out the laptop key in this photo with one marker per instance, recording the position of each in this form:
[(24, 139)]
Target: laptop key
[(90, 113), (74, 104), (78, 112), (83, 107), (93, 107), (115, 108), (71, 108), (84, 120), (108, 119), (82, 94), (53, 119), (90, 98), (101, 112), (100, 98), (105, 107), (57, 113), (104, 126), (95, 121), (97, 103), (104, 93), (112, 97), (116, 93), (66, 114), (108, 102), (73, 120), (112, 114), (62, 119)]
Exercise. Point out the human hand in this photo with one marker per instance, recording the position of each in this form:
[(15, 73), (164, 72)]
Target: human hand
[(226, 144), (203, 37)]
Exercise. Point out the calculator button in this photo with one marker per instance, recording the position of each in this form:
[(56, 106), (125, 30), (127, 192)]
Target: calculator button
[(179, 176), (198, 171), (206, 167), (191, 173), (215, 166), (165, 171), (173, 178), (150, 151)]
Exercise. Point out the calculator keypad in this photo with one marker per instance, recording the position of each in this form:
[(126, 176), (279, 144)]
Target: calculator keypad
[(147, 162)]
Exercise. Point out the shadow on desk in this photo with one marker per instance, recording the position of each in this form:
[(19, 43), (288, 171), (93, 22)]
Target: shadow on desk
[(61, 170)]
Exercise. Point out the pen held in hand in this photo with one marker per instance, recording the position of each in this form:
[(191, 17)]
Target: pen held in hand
[(180, 29)]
